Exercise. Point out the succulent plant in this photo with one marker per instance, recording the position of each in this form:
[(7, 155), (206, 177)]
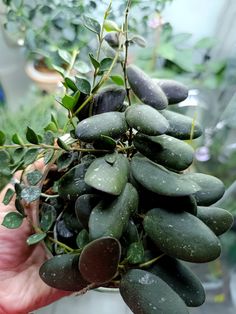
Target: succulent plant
[(118, 204)]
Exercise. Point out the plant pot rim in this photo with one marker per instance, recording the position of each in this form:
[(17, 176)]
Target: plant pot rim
[(44, 77)]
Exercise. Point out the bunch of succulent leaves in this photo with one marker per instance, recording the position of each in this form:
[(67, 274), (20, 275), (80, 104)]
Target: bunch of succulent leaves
[(118, 205)]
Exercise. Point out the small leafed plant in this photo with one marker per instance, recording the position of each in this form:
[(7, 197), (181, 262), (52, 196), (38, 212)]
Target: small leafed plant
[(116, 203)]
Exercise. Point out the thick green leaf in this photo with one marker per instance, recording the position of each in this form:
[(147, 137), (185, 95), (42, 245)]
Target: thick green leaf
[(182, 235), (83, 85), (34, 177), (48, 137), (31, 136), (13, 220), (82, 238), (212, 188), (217, 219), (181, 279), (2, 138), (108, 178), (135, 253), (8, 196), (17, 139), (36, 238), (61, 272), (111, 218), (92, 25), (174, 91), (159, 180), (31, 193), (146, 293), (99, 260)]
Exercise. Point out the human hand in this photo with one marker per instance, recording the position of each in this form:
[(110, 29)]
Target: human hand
[(21, 289)]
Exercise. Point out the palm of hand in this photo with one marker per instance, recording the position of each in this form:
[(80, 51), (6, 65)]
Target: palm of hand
[(21, 289)]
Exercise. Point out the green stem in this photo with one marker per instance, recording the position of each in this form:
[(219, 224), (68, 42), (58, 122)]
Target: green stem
[(152, 261), (64, 246)]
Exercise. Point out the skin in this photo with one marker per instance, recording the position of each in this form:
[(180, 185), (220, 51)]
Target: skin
[(21, 288)]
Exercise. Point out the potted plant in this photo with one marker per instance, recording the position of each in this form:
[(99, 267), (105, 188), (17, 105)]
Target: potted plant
[(116, 204)]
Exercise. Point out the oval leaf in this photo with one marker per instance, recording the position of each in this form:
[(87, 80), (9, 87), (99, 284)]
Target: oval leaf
[(13, 220)]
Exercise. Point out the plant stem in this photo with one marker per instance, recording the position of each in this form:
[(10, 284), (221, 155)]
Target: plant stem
[(75, 53), (64, 246), (152, 261)]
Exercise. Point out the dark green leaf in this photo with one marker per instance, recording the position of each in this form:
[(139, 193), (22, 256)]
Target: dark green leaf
[(83, 85), (94, 62), (118, 79), (62, 144), (48, 156), (8, 196), (34, 177), (92, 25), (99, 260), (17, 139), (18, 188), (30, 156), (36, 238), (4, 159), (2, 138), (48, 217), (105, 64), (31, 136), (70, 84), (64, 160), (19, 206), (135, 253), (31, 193), (68, 102), (82, 238), (18, 154), (12, 220)]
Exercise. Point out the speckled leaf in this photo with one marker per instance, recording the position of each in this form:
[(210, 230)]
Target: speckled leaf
[(111, 218), (182, 235), (159, 180), (145, 293), (212, 188), (8, 196), (48, 216), (165, 150), (36, 238), (111, 124), (181, 126), (31, 193), (83, 207), (62, 272), (217, 219), (65, 160), (71, 185), (145, 88), (48, 156), (99, 260), (135, 253), (30, 156), (181, 279), (34, 177), (174, 90), (12, 220), (108, 178), (146, 119)]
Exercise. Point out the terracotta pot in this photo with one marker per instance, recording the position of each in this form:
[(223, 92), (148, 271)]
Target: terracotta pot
[(47, 81)]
